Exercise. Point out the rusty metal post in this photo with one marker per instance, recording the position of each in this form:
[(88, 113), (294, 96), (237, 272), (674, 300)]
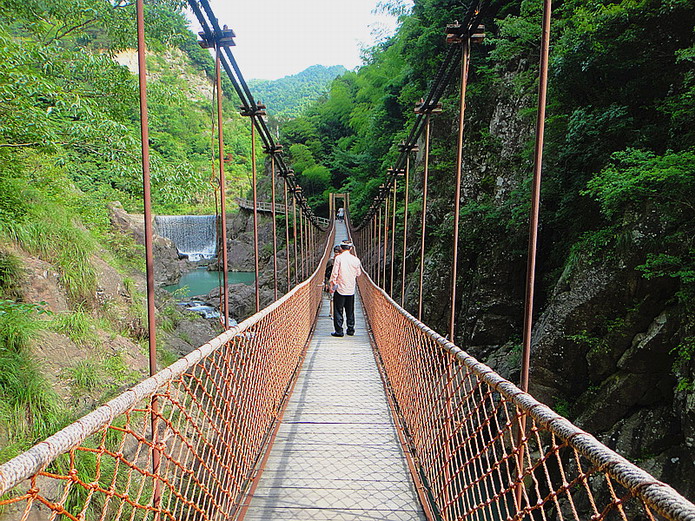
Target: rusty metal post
[(535, 197), (305, 239), (465, 58), (275, 228), (305, 245), (386, 237), (393, 235), (302, 243), (376, 244), (372, 243), (302, 252), (405, 227), (425, 176), (149, 256), (378, 252), (312, 246), (294, 233), (533, 231), (255, 212), (223, 188), (287, 236)]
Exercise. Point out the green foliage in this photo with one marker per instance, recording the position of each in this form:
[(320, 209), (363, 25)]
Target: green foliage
[(562, 407), (67, 98), (50, 233), (29, 408), (70, 146), (116, 367), (684, 353), (289, 96), (595, 344), (168, 318), (636, 179), (77, 325), (10, 274), (17, 325), (639, 182), (84, 375)]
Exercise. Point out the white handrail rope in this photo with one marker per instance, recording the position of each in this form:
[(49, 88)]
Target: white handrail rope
[(656, 494)]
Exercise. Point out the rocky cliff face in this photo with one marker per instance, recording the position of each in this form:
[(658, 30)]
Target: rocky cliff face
[(604, 335), (168, 268), (603, 355)]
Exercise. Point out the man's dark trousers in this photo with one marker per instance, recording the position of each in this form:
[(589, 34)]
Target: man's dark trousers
[(341, 302)]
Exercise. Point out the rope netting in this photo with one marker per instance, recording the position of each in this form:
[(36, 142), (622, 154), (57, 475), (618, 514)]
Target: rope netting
[(213, 416), (485, 450)]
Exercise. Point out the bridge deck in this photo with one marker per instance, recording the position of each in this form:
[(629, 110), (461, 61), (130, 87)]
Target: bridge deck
[(337, 454)]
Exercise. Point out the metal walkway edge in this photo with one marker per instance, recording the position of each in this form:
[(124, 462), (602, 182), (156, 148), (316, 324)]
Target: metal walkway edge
[(337, 455)]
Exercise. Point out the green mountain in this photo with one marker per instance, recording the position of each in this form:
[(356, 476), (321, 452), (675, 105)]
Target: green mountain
[(288, 96)]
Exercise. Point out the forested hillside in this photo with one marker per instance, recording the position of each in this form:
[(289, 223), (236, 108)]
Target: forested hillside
[(287, 97), (615, 336), (71, 283)]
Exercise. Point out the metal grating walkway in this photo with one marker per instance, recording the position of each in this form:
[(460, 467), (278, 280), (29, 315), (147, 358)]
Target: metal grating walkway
[(337, 454)]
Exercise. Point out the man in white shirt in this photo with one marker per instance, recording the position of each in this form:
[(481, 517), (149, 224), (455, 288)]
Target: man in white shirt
[(346, 269)]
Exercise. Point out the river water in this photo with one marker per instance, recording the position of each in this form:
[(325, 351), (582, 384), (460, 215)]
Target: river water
[(201, 281)]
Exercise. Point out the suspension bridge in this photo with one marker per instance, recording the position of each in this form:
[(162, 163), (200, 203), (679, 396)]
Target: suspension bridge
[(276, 419)]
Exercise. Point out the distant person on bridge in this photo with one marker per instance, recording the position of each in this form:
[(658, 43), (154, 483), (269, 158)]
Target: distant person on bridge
[(341, 214), (346, 269)]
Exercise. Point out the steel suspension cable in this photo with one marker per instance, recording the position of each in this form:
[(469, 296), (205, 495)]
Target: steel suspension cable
[(212, 33), (535, 194), (442, 80)]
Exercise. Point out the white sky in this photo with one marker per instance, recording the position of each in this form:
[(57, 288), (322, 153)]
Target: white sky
[(276, 38)]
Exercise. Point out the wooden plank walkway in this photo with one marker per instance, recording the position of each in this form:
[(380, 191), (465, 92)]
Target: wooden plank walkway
[(337, 455)]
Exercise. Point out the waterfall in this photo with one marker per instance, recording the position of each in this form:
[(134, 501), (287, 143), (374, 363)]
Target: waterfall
[(195, 236)]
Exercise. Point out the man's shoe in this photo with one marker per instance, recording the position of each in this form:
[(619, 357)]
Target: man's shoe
[(336, 334), (350, 333)]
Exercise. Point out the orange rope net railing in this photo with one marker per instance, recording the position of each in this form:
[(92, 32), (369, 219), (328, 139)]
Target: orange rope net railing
[(216, 410), (485, 450)]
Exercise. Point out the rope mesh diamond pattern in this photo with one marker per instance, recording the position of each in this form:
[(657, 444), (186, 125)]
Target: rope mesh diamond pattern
[(463, 423), (216, 409)]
